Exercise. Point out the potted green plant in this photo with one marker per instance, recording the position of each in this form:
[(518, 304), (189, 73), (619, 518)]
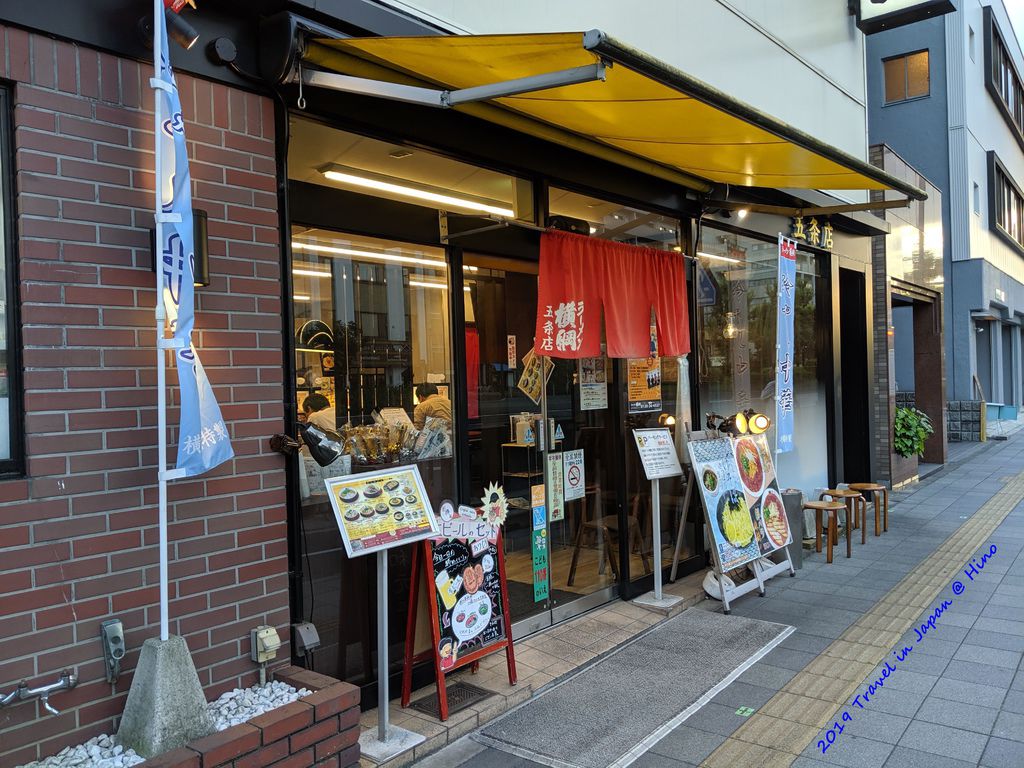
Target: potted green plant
[(910, 430)]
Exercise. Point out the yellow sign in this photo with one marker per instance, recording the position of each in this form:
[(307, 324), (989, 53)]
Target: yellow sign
[(379, 510)]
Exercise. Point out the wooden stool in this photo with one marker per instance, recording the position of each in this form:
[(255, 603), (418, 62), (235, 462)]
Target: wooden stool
[(833, 508), (880, 499), (856, 508)]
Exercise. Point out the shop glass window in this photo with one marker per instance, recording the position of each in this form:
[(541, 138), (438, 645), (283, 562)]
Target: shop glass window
[(737, 285), (371, 325), (906, 77), (10, 424)]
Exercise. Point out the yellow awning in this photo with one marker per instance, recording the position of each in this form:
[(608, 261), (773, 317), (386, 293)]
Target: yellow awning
[(644, 109)]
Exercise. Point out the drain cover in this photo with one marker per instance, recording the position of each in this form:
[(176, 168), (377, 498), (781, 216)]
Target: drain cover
[(460, 696)]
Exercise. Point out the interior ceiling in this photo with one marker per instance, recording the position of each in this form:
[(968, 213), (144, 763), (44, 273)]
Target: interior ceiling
[(314, 145)]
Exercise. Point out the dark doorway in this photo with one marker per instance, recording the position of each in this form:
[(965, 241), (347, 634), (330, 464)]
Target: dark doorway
[(853, 333)]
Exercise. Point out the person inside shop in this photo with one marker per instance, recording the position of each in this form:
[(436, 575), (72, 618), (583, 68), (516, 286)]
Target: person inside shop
[(317, 412), (432, 405)]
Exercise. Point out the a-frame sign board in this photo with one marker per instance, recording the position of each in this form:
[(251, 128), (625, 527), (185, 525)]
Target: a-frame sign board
[(468, 598)]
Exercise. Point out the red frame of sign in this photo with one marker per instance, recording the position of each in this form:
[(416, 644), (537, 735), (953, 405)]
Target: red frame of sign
[(424, 551)]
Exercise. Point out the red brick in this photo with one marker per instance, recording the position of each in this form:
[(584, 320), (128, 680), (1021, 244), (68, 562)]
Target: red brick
[(182, 757), (38, 554), (106, 585), (314, 733), (226, 745), (113, 542), (71, 527), (265, 756), (303, 759), (283, 721), (336, 744), (336, 698), (297, 677), (36, 598), (135, 598), (71, 570)]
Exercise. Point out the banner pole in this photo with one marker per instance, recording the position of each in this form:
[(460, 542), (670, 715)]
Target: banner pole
[(656, 535), (161, 317)]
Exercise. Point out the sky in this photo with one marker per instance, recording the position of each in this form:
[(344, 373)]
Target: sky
[(1016, 10)]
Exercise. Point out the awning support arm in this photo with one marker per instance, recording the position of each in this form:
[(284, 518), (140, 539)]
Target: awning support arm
[(445, 99), (807, 210)]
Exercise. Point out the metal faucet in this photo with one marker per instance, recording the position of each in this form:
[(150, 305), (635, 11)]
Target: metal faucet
[(67, 681)]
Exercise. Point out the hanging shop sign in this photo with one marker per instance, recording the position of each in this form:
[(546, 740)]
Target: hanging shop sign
[(380, 510), (582, 278), (573, 474), (811, 231), (877, 15), (643, 385), (593, 380), (512, 357), (657, 453), (539, 545), (531, 383), (744, 512), (784, 347), (464, 571), (556, 482)]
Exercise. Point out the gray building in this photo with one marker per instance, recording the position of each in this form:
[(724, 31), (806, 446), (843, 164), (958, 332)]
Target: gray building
[(946, 94)]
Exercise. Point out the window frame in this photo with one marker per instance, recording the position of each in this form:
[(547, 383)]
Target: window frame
[(905, 58), (15, 465), (993, 35), (995, 169)]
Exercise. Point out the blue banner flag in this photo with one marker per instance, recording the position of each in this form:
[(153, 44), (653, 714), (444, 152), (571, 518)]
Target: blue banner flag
[(784, 347), (203, 440)]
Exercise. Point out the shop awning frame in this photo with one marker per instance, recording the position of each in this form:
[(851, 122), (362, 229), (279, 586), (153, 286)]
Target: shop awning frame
[(444, 71)]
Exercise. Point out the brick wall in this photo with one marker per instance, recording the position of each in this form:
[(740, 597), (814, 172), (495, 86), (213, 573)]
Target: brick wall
[(78, 533), (320, 729)]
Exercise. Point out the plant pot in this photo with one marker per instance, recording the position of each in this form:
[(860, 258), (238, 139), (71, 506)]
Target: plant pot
[(903, 469)]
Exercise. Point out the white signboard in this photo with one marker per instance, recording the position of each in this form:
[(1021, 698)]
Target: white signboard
[(876, 15), (556, 480), (593, 386), (657, 452), (572, 471)]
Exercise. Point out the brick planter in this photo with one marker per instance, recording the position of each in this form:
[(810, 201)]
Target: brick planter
[(321, 729)]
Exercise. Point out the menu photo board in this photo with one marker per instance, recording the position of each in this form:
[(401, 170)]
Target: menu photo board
[(380, 510), (736, 477)]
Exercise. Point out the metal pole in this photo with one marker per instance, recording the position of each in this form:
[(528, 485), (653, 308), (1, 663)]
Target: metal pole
[(656, 533), (161, 317), (382, 645)]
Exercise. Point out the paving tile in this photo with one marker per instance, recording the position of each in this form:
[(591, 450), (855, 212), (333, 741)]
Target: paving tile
[(851, 752), (894, 702), (943, 740), (934, 647), (739, 694), (875, 724), (922, 662), (982, 655), (716, 718), (1009, 725), (904, 680), (690, 744), (654, 760), (1000, 625), (801, 641), (902, 757), (1001, 753), (969, 693), (982, 674), (788, 658), (767, 675), (999, 640), (970, 717)]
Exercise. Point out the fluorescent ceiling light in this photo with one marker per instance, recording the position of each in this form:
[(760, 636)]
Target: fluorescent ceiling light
[(442, 286), (310, 272), (301, 297), (334, 250), (727, 259), (441, 198)]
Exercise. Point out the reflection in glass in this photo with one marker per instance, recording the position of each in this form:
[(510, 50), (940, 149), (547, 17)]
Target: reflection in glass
[(739, 277), (371, 322)]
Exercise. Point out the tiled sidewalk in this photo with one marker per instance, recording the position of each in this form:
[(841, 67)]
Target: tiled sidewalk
[(958, 701)]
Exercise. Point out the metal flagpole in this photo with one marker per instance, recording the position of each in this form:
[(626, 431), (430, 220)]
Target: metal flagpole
[(161, 319), (162, 344)]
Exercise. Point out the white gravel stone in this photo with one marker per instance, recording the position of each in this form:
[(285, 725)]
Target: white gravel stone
[(230, 709)]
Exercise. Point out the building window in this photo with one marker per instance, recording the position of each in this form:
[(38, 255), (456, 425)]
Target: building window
[(1006, 203), (906, 77), (10, 390), (1002, 80)]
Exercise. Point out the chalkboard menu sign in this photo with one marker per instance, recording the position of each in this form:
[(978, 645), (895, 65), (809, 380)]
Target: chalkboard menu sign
[(463, 571), (470, 610)]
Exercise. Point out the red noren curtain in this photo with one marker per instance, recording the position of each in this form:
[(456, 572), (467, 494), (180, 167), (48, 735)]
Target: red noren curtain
[(580, 277)]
